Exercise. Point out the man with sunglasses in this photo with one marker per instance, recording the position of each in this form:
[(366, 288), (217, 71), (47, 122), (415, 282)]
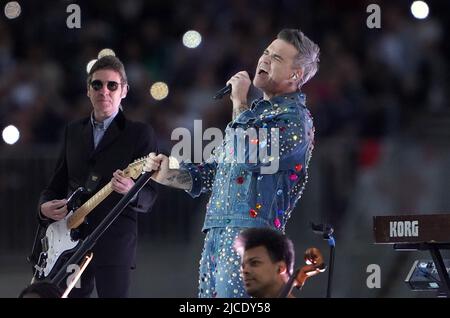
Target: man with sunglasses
[(95, 149)]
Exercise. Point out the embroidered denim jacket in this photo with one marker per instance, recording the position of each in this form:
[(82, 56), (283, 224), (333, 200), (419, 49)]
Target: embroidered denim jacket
[(242, 194)]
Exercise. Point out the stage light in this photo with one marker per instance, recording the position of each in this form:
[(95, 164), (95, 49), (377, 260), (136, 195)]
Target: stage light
[(192, 39), (420, 9), (12, 10), (105, 52), (10, 135), (89, 65), (159, 90)]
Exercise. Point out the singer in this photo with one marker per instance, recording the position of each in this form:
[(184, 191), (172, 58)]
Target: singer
[(242, 196)]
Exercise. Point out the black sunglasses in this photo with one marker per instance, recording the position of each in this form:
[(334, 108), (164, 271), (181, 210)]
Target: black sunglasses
[(98, 85)]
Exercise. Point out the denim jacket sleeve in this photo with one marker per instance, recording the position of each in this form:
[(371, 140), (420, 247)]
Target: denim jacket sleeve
[(202, 176)]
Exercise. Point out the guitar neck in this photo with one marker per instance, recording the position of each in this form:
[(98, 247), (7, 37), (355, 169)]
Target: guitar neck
[(79, 215)]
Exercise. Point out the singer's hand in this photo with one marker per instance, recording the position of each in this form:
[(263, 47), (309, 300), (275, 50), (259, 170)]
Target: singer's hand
[(240, 84), (165, 174), (159, 164)]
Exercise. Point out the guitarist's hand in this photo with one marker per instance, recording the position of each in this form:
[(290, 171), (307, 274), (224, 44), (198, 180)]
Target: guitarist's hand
[(54, 209), (120, 183)]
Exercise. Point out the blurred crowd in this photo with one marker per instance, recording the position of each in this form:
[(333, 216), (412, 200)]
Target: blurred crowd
[(372, 83)]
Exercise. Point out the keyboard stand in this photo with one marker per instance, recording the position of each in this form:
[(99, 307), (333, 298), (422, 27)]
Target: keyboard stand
[(434, 249)]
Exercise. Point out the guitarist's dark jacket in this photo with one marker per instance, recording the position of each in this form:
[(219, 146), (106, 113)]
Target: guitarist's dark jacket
[(79, 163)]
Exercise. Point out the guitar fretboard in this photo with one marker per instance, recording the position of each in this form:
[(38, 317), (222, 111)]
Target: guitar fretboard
[(78, 216), (133, 170)]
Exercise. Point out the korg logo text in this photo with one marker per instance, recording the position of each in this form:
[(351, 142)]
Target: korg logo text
[(404, 229)]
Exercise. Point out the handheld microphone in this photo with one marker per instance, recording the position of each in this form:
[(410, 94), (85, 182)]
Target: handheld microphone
[(222, 92), (226, 89)]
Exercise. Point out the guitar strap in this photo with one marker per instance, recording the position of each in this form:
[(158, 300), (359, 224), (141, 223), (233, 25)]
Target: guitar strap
[(92, 182)]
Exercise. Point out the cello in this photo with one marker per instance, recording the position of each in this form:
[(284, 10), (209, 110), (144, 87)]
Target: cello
[(314, 265)]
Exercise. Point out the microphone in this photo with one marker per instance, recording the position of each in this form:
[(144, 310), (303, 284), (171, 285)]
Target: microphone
[(223, 91), (226, 90)]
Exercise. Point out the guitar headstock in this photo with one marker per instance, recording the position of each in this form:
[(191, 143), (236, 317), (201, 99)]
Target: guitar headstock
[(136, 168)]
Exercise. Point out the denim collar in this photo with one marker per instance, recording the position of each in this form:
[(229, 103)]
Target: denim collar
[(259, 105), (298, 97)]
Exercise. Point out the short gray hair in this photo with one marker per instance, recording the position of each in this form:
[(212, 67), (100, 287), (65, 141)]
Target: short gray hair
[(308, 52), (108, 62)]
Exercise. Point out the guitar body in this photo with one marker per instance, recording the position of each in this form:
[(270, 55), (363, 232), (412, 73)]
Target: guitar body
[(60, 242), (57, 242)]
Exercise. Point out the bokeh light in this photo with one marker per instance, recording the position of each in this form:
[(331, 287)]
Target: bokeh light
[(159, 90), (105, 52), (10, 134), (420, 9), (192, 39), (89, 65), (12, 9)]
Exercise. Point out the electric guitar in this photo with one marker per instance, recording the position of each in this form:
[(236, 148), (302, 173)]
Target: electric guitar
[(61, 237)]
